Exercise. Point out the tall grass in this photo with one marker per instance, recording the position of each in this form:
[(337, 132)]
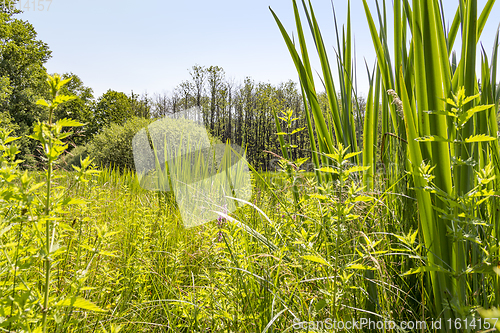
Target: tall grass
[(414, 241), (446, 132)]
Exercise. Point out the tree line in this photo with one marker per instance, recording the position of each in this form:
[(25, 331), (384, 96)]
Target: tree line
[(242, 113)]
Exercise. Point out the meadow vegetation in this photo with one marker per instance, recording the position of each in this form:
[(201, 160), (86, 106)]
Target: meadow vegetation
[(395, 222)]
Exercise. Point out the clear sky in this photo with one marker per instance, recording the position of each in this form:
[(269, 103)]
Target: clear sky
[(150, 45)]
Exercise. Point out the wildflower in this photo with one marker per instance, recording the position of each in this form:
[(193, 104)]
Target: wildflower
[(221, 221)]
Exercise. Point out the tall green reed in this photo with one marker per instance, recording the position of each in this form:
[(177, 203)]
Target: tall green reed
[(422, 76)]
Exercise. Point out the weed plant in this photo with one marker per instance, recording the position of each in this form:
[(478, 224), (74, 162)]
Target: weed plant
[(89, 251)]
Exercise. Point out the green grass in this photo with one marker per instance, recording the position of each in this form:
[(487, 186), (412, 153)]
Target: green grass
[(130, 251), (90, 251)]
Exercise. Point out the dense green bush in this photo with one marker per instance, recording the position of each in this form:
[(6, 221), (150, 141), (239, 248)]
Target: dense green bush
[(113, 145)]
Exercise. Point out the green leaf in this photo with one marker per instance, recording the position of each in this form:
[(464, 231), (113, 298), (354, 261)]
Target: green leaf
[(320, 304), (357, 169), (360, 267), (328, 169), (4, 230), (81, 303), (42, 102), (72, 201), (479, 138), (412, 237), (301, 161), (423, 269), (10, 139), (348, 156), (470, 98), (60, 99), (442, 112), (68, 123), (35, 187), (318, 196), (464, 117), (316, 259), (298, 130), (362, 198), (66, 227)]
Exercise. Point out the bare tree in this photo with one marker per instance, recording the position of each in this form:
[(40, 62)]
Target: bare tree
[(161, 104)]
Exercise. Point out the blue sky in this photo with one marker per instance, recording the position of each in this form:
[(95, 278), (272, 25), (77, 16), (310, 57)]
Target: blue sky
[(150, 46)]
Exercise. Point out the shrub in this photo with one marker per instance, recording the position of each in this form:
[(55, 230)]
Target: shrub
[(112, 147), (74, 157)]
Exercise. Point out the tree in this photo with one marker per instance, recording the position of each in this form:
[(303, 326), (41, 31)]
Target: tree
[(185, 89), (22, 74), (198, 74), (141, 105), (160, 105), (111, 107), (215, 76), (22, 59)]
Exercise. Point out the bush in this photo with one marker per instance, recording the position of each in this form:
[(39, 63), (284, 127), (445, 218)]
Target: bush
[(112, 147), (73, 157)]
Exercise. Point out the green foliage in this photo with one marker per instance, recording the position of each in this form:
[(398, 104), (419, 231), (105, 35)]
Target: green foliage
[(80, 108), (22, 75), (33, 229), (446, 140), (73, 157), (111, 107), (112, 146)]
